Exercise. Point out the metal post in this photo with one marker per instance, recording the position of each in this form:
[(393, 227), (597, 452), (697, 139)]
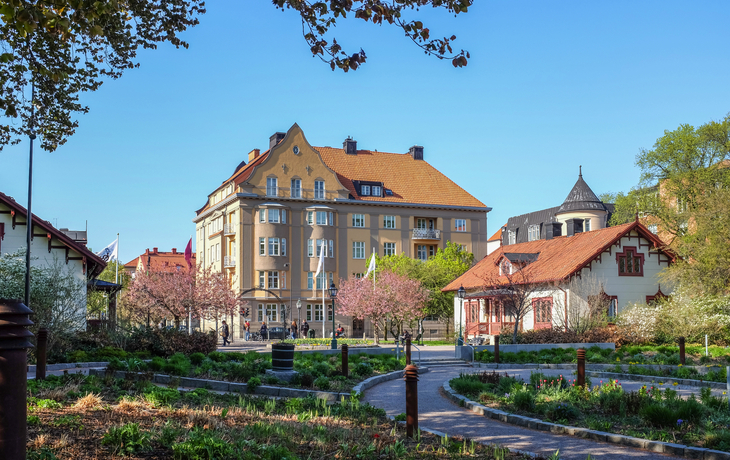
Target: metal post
[(14, 343), (29, 217), (408, 351), (496, 349), (727, 370), (40, 353), (460, 342), (581, 367), (334, 339), (681, 350), (345, 360), (411, 378)]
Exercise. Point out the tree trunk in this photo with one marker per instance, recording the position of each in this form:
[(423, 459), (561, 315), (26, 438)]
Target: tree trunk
[(376, 329), (177, 323), (514, 334)]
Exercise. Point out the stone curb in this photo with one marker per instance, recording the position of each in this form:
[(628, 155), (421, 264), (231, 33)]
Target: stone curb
[(59, 366), (366, 384), (629, 441), (613, 375)]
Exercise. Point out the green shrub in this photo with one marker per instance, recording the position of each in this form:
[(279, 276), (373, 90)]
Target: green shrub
[(44, 453), (168, 435), (271, 380), (467, 386), (659, 415), (363, 369), (322, 383), (127, 439), (321, 369), (197, 358), (203, 445), (110, 352), (33, 420), (48, 404), (156, 364), (159, 396), (77, 356), (306, 379), (523, 398), (217, 356), (253, 383), (506, 384), (166, 342), (562, 411), (689, 410), (719, 440)]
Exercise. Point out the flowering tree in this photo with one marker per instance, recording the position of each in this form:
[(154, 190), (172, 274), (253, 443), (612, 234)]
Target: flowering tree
[(392, 296)]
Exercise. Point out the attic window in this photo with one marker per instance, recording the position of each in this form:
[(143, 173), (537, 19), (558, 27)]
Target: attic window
[(389, 192), (364, 190), (376, 190)]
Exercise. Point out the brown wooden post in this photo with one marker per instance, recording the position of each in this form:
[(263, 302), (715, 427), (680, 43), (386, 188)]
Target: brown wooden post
[(14, 343), (681, 351), (408, 351), (496, 349), (581, 367), (411, 378), (345, 360), (40, 353)]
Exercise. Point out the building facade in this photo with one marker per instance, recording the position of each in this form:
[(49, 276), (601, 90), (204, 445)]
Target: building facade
[(267, 223)]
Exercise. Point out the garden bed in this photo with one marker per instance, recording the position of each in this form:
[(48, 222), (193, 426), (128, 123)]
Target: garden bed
[(88, 418), (650, 414)]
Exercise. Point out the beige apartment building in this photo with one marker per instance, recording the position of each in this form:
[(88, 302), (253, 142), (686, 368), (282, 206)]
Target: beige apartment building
[(268, 221)]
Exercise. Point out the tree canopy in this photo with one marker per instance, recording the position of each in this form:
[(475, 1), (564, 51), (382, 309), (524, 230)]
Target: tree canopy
[(53, 50)]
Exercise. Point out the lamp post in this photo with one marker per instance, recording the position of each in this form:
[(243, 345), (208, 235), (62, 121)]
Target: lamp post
[(333, 294), (299, 309), (460, 293)]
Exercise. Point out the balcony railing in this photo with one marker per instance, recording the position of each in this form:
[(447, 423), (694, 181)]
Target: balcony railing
[(426, 234), (229, 261), (229, 229)]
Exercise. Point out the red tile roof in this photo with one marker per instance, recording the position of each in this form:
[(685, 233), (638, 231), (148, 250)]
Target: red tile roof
[(497, 235), (158, 259), (559, 258)]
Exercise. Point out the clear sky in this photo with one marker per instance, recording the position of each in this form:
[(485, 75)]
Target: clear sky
[(550, 86)]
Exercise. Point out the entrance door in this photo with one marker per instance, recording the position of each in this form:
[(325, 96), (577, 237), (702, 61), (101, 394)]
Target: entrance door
[(358, 327)]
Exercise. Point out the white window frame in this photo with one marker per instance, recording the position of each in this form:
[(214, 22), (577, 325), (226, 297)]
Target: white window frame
[(283, 246), (321, 245), (319, 190), (331, 249), (318, 316), (310, 248), (358, 220), (358, 250), (262, 216), (310, 217), (283, 216), (511, 237), (376, 190), (273, 279), (364, 190), (308, 314), (261, 313), (310, 280), (459, 225), (274, 216), (587, 225), (262, 246), (533, 232), (296, 188), (422, 252), (331, 218), (274, 247), (272, 186), (321, 218), (262, 279), (389, 222), (272, 312), (389, 249)]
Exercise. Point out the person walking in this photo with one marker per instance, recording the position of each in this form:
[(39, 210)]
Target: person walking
[(247, 328), (293, 329), (224, 333), (305, 329), (264, 331)]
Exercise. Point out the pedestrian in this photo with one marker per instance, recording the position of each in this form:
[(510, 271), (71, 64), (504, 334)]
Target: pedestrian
[(305, 329), (247, 327), (264, 330), (224, 333), (293, 329)]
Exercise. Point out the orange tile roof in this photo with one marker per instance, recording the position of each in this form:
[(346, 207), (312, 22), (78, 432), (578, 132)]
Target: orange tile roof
[(159, 258), (497, 235), (559, 258), (412, 181)]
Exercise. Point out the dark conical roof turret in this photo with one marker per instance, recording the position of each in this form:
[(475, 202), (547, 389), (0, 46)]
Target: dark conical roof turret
[(581, 198)]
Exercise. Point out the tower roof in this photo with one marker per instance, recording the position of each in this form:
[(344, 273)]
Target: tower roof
[(581, 198)]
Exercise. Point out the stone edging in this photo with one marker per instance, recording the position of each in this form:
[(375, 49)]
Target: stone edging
[(537, 424), (59, 366), (366, 384)]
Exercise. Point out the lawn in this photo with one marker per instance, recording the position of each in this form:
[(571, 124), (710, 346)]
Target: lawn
[(650, 413), (89, 418)]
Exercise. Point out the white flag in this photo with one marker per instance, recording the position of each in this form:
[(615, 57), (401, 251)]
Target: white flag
[(320, 265), (371, 266), (110, 252)]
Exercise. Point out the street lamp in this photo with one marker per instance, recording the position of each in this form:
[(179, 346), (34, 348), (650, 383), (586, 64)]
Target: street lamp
[(460, 293), (333, 294), (299, 308)]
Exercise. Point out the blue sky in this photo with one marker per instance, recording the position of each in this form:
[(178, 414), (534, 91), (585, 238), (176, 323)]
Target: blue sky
[(550, 86)]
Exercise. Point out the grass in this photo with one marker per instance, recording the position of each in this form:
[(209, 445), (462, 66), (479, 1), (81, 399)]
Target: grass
[(202, 425), (649, 413)]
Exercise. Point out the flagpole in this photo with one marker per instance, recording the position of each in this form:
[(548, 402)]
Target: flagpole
[(190, 309), (116, 264)]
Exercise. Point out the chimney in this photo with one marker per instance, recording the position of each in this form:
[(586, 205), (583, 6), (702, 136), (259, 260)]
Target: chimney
[(147, 251), (553, 229), (252, 155), (416, 152), (275, 139), (575, 226), (154, 250), (174, 250), (350, 146)]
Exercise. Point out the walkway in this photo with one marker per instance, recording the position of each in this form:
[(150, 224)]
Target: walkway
[(438, 413)]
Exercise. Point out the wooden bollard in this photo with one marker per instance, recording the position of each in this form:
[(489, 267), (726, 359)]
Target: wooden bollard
[(345, 360), (14, 344), (40, 353), (682, 356), (496, 349), (411, 378), (408, 351), (581, 367)]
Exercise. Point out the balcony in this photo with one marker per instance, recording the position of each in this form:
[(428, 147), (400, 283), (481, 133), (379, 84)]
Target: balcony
[(229, 229), (426, 234), (229, 262)]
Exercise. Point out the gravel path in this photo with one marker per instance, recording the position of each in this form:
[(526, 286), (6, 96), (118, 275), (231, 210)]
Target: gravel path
[(438, 413)]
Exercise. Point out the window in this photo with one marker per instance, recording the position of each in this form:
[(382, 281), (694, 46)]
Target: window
[(358, 275), (321, 246), (283, 246), (460, 225), (421, 224), (422, 253), (262, 215), (319, 190), (630, 262), (653, 228), (262, 246), (533, 233), (262, 279), (271, 186), (543, 309), (260, 313), (331, 216), (376, 190), (505, 268), (310, 280), (274, 246), (321, 218), (365, 190), (273, 280), (310, 217), (587, 225), (358, 220), (218, 251), (388, 249), (283, 216), (273, 216), (388, 221), (462, 248), (331, 249), (296, 188), (317, 312), (310, 248), (511, 237), (272, 312), (308, 315), (612, 306), (320, 280), (358, 249)]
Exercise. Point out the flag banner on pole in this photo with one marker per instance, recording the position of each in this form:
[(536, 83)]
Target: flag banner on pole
[(110, 252), (320, 264), (371, 266), (189, 253)]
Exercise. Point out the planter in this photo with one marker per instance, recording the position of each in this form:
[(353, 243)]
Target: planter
[(282, 356)]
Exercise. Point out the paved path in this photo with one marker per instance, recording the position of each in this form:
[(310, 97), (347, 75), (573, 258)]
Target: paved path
[(438, 413)]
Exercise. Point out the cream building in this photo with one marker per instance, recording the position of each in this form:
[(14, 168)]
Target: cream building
[(266, 224)]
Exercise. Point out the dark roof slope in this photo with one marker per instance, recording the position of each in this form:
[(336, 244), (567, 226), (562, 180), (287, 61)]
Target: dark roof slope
[(581, 198), (520, 224)]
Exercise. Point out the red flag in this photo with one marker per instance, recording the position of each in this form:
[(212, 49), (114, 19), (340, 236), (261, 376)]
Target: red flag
[(189, 253)]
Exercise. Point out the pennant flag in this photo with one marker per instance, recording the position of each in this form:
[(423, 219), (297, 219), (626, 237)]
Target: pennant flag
[(320, 265), (189, 253), (371, 266), (110, 252)]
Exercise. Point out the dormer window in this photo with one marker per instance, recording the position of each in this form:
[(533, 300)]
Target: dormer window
[(505, 268), (376, 190), (365, 190)]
